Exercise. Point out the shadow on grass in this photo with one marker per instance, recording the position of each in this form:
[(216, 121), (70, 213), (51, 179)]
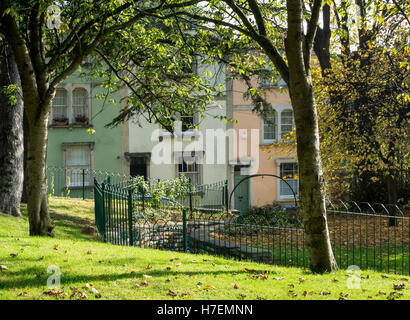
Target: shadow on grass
[(38, 277), (71, 226)]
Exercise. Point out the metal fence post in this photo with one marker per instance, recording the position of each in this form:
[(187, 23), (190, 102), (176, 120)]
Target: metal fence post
[(131, 240), (103, 211), (226, 195), (190, 200), (184, 230), (83, 184)]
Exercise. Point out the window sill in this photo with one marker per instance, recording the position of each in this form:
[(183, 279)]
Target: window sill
[(87, 186), (71, 126), (169, 135)]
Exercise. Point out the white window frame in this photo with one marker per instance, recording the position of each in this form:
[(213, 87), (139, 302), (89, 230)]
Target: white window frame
[(198, 173), (282, 124), (279, 196), (89, 177), (87, 107), (270, 141), (60, 106)]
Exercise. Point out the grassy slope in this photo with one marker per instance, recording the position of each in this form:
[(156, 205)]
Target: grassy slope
[(115, 270)]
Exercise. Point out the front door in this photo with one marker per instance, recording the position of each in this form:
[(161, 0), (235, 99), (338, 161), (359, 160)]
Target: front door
[(241, 194), (138, 167)]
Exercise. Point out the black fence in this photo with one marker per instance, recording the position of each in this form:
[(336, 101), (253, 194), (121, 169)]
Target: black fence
[(198, 221)]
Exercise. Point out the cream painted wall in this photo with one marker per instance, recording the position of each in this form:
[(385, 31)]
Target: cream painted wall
[(144, 137)]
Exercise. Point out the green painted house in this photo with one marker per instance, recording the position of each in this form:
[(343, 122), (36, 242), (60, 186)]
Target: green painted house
[(80, 147)]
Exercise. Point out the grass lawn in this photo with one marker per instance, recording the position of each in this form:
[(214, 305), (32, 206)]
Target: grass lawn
[(132, 273)]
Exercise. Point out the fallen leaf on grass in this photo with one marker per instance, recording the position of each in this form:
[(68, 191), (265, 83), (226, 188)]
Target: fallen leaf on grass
[(292, 293), (382, 293), (168, 280), (208, 288), (304, 293), (236, 286), (53, 292), (186, 293), (277, 278), (22, 293), (242, 295), (80, 294), (56, 246), (178, 264), (399, 286), (385, 276), (171, 293), (302, 279), (168, 268), (137, 285), (335, 280), (147, 267), (3, 267), (146, 276), (144, 283), (14, 255), (89, 252), (247, 269), (404, 279), (96, 292), (324, 293), (133, 271)]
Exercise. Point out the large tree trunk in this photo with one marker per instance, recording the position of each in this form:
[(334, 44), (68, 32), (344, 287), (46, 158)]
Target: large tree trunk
[(37, 200), (311, 188), (11, 137)]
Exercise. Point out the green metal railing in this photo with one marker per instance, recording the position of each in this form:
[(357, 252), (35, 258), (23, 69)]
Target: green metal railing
[(371, 236)]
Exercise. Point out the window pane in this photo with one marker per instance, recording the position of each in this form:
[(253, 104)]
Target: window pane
[(286, 120), (190, 171), (60, 104), (80, 104), (77, 159), (288, 171), (187, 122), (269, 127)]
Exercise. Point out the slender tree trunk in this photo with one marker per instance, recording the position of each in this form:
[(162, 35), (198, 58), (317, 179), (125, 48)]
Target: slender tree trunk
[(311, 188), (25, 131), (11, 137), (37, 200)]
